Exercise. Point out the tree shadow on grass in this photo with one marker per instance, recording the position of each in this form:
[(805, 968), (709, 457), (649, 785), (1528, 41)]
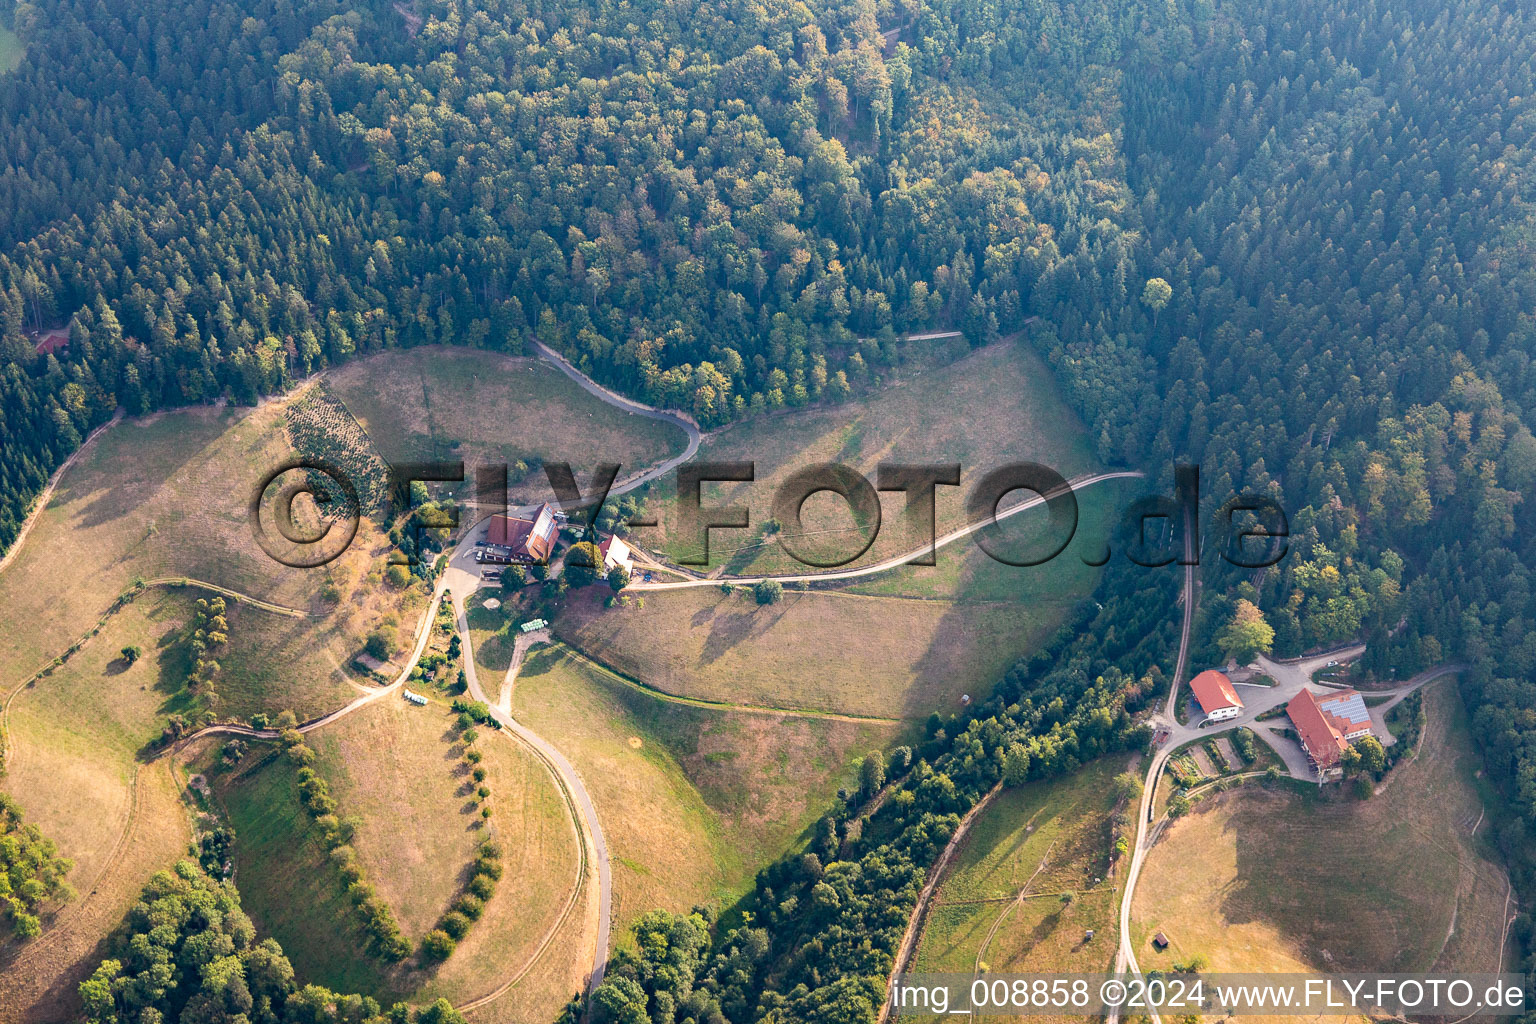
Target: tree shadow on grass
[(730, 627), (127, 493)]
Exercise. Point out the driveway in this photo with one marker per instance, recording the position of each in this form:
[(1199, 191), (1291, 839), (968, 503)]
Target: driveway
[(1291, 677)]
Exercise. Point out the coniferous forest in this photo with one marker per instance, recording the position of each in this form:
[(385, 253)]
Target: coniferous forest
[(1293, 242)]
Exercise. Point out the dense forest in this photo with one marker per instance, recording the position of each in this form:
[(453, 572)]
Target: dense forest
[(1290, 242)]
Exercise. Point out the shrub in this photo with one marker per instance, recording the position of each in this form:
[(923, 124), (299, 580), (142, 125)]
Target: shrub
[(1218, 759), (381, 642), (470, 906), (473, 756), (1242, 742), (395, 948), (471, 711), (438, 945), (489, 867), (482, 887), (455, 924)]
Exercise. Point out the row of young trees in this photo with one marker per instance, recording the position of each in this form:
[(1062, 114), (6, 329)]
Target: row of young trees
[(385, 939)]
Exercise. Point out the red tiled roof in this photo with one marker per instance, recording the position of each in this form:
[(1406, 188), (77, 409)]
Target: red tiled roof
[(1214, 691), (530, 538), (1319, 737), (509, 532), (52, 341)]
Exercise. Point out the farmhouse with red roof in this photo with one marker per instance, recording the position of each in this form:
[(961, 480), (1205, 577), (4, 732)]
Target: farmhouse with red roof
[(1327, 725), (1217, 696), (529, 541)]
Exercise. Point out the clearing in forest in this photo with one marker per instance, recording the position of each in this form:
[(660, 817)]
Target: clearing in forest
[(1405, 884), (449, 404), (1053, 840), (995, 406)]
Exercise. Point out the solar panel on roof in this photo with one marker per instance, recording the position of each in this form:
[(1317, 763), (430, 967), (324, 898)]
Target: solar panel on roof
[(1348, 706)]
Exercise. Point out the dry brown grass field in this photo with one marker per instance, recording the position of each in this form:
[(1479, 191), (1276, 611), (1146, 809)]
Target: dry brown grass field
[(994, 406), (168, 497), (882, 657), (442, 403), (39, 983), (692, 800), (78, 736), (1260, 880)]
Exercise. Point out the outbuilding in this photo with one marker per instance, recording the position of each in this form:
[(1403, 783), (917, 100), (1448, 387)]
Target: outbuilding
[(616, 555), (1217, 696)]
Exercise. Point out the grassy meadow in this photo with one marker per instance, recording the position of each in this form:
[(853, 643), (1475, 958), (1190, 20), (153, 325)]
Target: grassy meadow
[(692, 800), (994, 406), (168, 497), (1407, 883), (897, 658), (1044, 839), (396, 770), (440, 403)]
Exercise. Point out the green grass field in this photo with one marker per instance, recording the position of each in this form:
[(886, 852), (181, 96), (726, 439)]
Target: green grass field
[(1046, 839), (1406, 883), (395, 769), (288, 885), (692, 800), (964, 573), (992, 407), (11, 50), (78, 735)]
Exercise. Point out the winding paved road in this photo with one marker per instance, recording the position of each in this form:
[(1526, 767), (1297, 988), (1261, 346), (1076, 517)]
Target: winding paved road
[(897, 561), (1291, 677), (582, 808), (1125, 956), (687, 424)]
